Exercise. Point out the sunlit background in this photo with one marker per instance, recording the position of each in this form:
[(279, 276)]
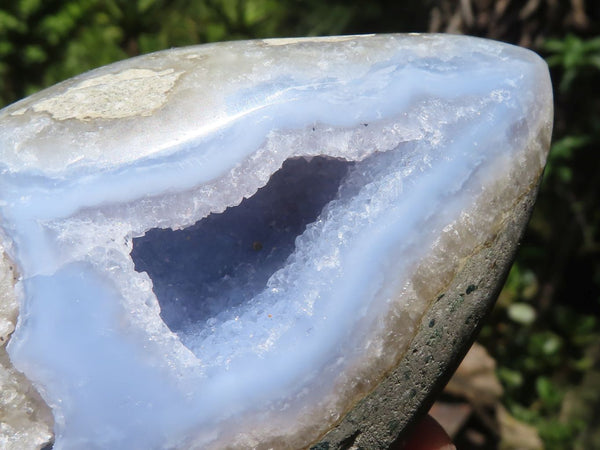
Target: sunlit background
[(536, 382)]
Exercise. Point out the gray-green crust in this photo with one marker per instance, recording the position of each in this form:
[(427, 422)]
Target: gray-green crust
[(446, 331)]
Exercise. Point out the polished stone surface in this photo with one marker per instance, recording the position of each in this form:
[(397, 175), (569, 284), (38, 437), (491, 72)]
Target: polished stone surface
[(265, 244)]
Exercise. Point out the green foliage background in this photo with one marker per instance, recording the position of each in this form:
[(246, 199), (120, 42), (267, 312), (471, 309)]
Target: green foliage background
[(545, 330)]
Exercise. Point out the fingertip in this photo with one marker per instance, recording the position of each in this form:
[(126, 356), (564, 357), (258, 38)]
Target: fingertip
[(428, 434)]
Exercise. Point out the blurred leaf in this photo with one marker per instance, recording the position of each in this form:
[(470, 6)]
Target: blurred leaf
[(561, 157), (28, 7), (546, 344), (510, 378), (548, 392), (555, 46), (522, 313), (552, 345), (529, 285), (584, 364), (8, 22), (574, 55), (34, 54), (5, 48), (566, 146), (144, 5)]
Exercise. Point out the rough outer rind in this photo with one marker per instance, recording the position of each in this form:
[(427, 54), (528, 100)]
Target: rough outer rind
[(25, 419), (446, 331)]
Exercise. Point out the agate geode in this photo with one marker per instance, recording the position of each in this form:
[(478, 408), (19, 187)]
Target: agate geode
[(263, 244)]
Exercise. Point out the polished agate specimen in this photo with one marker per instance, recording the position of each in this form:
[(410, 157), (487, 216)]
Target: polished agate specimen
[(238, 244)]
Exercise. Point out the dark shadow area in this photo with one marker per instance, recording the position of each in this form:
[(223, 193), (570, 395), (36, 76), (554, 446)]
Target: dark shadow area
[(227, 258)]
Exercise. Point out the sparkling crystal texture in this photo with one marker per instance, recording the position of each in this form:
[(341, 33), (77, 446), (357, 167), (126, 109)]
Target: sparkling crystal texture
[(229, 245)]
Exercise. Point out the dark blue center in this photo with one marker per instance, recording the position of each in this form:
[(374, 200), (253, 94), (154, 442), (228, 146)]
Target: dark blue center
[(227, 258)]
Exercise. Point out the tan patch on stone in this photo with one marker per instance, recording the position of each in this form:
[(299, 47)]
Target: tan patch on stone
[(19, 112), (25, 419), (133, 92)]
